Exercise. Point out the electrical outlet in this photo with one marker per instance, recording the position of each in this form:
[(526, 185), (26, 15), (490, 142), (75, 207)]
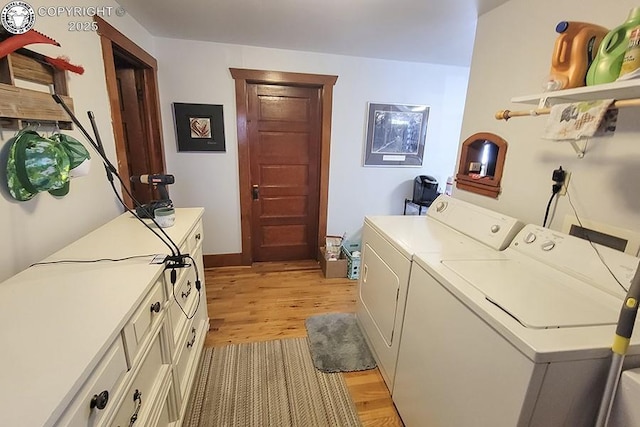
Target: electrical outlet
[(565, 184), (558, 175)]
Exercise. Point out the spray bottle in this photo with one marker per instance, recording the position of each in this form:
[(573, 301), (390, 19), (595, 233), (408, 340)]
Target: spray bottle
[(448, 189), (606, 66), (574, 51)]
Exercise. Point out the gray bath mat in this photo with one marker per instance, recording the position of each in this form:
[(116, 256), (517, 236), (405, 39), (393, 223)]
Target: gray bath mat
[(337, 344)]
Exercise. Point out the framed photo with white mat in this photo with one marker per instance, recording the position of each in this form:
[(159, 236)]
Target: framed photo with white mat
[(396, 135)]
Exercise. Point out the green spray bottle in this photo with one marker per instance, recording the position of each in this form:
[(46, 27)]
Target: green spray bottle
[(606, 67)]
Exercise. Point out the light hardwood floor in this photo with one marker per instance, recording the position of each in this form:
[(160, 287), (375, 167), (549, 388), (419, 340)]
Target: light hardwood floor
[(271, 301)]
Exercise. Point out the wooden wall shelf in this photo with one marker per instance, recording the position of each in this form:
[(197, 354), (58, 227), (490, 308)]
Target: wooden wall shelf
[(625, 89), (31, 106), (21, 105)]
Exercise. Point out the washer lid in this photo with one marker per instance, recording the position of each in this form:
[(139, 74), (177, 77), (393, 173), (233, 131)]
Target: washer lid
[(536, 295)]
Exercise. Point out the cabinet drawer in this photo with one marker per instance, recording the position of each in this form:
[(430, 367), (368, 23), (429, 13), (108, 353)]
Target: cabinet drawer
[(164, 415), (195, 238), (183, 303), (191, 347), (190, 246), (143, 320), (95, 398), (142, 392)]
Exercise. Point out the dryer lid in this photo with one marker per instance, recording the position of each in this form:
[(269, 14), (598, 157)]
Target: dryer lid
[(537, 296)]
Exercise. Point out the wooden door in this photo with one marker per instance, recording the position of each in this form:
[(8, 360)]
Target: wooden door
[(134, 135), (284, 125), (118, 52)]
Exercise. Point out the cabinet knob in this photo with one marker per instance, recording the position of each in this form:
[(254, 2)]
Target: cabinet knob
[(198, 236), (155, 308), (99, 400)]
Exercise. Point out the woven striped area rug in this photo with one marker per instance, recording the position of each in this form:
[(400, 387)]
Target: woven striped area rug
[(272, 383)]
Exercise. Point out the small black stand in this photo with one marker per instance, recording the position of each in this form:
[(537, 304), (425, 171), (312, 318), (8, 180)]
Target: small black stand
[(419, 205)]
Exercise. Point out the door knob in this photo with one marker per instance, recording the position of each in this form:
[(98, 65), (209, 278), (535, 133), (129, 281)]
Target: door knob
[(255, 192)]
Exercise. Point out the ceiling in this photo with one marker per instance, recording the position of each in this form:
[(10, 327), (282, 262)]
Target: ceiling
[(431, 31)]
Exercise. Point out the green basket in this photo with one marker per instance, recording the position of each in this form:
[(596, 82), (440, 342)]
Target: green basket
[(353, 263)]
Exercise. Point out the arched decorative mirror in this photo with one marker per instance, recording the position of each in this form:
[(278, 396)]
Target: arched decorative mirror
[(481, 163)]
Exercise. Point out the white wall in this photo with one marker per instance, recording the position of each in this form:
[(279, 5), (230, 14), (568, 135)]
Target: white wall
[(512, 57), (198, 72), (33, 230)]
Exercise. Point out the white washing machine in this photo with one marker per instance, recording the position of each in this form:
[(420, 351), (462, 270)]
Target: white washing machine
[(523, 340), (626, 409), (388, 245)]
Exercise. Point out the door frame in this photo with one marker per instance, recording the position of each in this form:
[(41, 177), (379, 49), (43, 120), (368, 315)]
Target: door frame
[(325, 83), (110, 38)]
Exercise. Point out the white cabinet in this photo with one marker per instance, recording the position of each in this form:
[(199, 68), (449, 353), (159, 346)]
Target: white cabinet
[(189, 323), (104, 343)]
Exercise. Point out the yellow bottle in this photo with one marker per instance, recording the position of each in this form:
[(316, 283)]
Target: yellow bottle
[(631, 60), (574, 51)]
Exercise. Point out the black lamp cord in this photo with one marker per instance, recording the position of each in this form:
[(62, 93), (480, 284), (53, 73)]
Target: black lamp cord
[(575, 212), (198, 287), (559, 176), (555, 189), (173, 261)]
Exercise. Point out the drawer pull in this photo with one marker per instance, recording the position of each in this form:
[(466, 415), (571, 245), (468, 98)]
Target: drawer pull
[(186, 294), (137, 397), (193, 339), (99, 401), (155, 308), (198, 236)]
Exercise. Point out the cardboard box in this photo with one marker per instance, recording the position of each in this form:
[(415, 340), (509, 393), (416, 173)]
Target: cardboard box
[(332, 269)]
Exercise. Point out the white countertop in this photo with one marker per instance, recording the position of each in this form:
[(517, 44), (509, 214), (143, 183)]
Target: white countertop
[(56, 320)]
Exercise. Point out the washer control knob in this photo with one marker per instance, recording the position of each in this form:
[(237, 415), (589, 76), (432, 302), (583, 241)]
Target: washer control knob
[(548, 245), (530, 238), (495, 228), (441, 206)]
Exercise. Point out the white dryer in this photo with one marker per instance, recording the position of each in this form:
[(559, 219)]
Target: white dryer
[(388, 245), (626, 411), (520, 340)]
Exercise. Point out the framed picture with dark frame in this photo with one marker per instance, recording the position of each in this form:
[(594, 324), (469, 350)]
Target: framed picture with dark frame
[(396, 135), (199, 127)]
